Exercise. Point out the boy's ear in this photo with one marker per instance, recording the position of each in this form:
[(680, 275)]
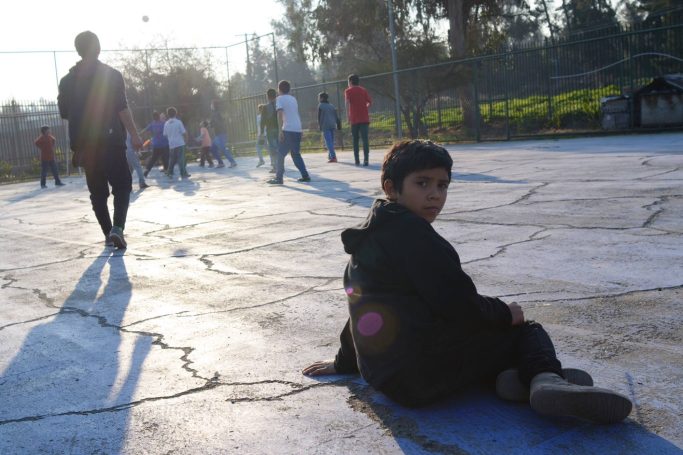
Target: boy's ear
[(390, 190)]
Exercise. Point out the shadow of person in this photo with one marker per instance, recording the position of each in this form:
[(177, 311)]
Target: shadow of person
[(476, 421), (77, 365), (334, 189)]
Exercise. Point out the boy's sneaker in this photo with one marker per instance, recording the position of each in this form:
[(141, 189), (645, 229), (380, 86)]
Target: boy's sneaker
[(260, 163), (43, 186), (552, 395), (143, 185), (271, 171), (146, 173), (233, 165), (365, 163), (107, 241), (220, 165), (274, 182), (210, 164), (186, 176), (116, 237), (304, 179), (59, 184), (509, 387), (332, 160)]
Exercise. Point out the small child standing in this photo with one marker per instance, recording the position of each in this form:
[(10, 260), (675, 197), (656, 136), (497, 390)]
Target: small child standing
[(175, 131), (260, 137), (418, 330), (328, 120), (134, 162), (46, 143), (204, 140)]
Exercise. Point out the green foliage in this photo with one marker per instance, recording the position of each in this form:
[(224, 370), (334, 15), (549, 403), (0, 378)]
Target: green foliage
[(5, 171)]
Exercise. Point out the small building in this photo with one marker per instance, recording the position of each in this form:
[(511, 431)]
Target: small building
[(660, 103), (616, 112)]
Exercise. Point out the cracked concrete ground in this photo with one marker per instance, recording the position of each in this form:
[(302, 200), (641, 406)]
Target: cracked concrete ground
[(192, 341)]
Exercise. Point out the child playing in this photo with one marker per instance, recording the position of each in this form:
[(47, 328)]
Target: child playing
[(328, 120), (419, 331), (46, 143), (175, 131), (290, 136), (204, 140), (260, 136), (134, 162)]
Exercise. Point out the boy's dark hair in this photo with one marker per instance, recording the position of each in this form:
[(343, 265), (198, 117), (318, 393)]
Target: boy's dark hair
[(324, 97), (155, 115), (87, 44), (271, 94), (171, 112), (354, 79), (284, 86), (411, 156), (261, 108), (204, 123), (44, 129)]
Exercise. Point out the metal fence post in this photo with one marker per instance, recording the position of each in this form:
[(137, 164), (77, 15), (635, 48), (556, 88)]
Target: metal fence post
[(477, 113)]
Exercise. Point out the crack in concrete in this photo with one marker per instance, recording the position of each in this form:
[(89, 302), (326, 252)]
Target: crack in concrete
[(28, 321), (604, 296), (676, 169), (259, 305), (503, 248), (651, 219)]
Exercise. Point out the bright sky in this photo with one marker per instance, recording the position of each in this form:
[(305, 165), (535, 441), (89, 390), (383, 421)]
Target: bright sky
[(40, 25)]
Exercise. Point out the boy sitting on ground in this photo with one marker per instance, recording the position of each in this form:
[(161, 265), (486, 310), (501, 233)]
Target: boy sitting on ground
[(418, 330)]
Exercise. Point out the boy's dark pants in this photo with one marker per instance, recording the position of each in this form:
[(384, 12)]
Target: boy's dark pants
[(360, 131), (452, 365), (157, 153), (44, 166), (101, 170)]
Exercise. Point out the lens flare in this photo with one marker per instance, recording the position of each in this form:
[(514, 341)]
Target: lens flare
[(370, 324)]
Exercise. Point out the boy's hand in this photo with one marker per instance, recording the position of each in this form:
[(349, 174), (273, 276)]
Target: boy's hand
[(320, 368), (517, 313)]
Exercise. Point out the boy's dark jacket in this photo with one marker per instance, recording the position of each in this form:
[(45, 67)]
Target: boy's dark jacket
[(407, 293), (90, 98)]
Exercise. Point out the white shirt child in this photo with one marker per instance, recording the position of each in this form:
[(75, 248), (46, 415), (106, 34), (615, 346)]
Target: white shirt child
[(290, 110), (174, 131)]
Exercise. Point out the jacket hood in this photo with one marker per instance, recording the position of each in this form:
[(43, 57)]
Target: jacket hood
[(381, 212)]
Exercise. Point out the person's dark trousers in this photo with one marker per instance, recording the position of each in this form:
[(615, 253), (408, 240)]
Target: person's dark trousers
[(205, 155), (360, 131), (291, 143), (158, 153), (104, 169), (272, 137), (52, 166), (449, 365)]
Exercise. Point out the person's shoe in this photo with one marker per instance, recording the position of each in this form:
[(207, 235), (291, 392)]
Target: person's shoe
[(332, 160), (107, 241), (43, 186), (220, 165), (116, 237), (143, 185), (201, 164), (304, 179), (274, 182), (260, 163), (186, 176), (271, 171), (59, 184), (233, 165), (210, 164), (552, 395), (365, 163), (357, 163), (146, 173), (509, 387)]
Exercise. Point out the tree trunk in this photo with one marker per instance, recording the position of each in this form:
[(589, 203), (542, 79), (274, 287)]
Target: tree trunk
[(457, 40)]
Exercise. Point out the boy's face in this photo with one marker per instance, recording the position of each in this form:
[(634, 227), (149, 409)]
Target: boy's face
[(47, 131), (424, 192)]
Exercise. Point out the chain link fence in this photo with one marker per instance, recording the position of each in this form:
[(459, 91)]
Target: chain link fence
[(552, 89)]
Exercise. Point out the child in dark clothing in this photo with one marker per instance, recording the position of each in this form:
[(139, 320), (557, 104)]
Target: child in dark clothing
[(46, 143), (418, 330)]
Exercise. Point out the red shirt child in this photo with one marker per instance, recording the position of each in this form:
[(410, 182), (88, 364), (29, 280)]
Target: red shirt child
[(358, 101), (46, 143)]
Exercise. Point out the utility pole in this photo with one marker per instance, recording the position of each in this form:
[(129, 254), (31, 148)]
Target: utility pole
[(394, 65)]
